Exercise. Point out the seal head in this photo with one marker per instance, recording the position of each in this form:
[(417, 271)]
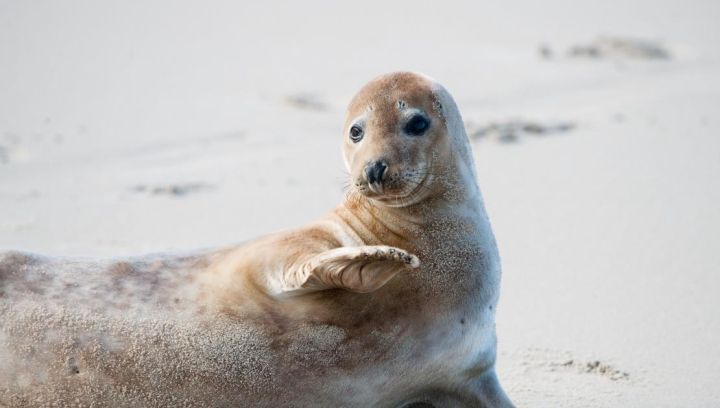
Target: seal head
[(398, 145)]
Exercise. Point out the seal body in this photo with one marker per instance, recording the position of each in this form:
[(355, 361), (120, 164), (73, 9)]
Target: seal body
[(387, 301)]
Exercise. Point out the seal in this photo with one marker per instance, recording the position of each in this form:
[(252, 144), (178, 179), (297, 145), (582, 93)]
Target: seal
[(387, 301)]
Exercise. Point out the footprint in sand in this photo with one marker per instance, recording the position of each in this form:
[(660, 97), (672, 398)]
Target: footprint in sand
[(612, 47), (547, 378), (307, 101), (514, 130), (555, 361), (172, 189)]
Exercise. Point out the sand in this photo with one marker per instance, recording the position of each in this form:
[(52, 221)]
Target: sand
[(129, 128)]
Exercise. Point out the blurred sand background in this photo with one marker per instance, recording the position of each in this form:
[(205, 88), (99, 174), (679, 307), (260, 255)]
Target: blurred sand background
[(129, 127)]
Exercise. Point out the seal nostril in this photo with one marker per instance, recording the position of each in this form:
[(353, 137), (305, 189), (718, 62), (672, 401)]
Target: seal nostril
[(375, 171)]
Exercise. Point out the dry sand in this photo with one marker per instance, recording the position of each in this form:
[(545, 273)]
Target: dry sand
[(133, 127)]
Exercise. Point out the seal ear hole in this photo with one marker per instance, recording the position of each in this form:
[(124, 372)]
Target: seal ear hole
[(72, 366), (439, 109)]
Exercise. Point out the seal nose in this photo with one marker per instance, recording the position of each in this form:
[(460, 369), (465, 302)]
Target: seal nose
[(375, 173)]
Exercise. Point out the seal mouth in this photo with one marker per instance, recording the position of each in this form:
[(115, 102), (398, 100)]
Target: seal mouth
[(407, 198), (376, 188), (415, 195)]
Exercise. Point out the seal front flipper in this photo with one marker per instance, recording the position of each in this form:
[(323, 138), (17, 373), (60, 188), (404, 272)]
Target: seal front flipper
[(357, 269)]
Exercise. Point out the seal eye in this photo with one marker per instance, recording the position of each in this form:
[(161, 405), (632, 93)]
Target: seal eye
[(356, 134), (417, 125)]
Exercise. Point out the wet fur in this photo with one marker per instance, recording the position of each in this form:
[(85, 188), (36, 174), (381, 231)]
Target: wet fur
[(222, 328)]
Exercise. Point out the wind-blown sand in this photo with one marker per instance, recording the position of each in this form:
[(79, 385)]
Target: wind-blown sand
[(128, 128)]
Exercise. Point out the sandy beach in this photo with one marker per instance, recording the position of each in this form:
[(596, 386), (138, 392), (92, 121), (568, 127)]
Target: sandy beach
[(141, 127)]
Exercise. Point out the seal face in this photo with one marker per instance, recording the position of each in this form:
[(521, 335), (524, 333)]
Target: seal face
[(387, 301), (396, 132)]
